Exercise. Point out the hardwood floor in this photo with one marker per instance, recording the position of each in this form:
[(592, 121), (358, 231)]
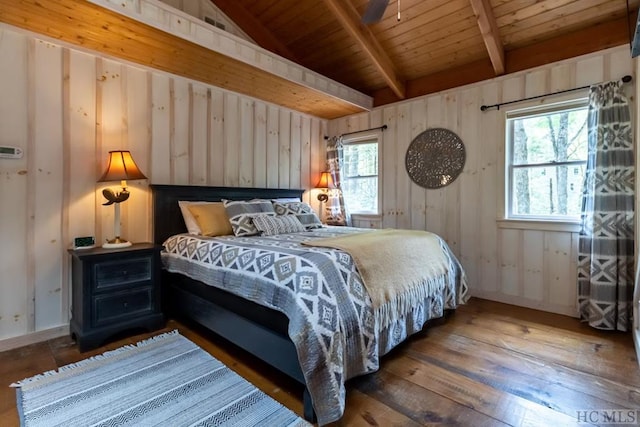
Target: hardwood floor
[(489, 364)]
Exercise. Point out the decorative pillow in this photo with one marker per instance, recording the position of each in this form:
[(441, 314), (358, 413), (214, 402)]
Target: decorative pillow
[(212, 219), (187, 216), (241, 213), (309, 220), (272, 225), (292, 208)]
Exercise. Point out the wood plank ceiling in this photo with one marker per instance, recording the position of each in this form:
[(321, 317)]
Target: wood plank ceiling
[(93, 27), (436, 44)]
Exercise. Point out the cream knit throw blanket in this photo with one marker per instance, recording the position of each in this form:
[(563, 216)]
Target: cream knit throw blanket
[(399, 268)]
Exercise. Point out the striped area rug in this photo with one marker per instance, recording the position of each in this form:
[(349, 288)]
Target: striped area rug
[(166, 380)]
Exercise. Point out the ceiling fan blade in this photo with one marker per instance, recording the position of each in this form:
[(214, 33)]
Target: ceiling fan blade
[(374, 11)]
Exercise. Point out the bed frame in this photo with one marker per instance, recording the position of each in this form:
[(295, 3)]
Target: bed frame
[(259, 330)]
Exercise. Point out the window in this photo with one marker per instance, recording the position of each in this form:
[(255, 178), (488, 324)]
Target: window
[(546, 161), (359, 176)]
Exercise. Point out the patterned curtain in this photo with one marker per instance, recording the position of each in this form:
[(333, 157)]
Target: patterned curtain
[(606, 244), (335, 210)]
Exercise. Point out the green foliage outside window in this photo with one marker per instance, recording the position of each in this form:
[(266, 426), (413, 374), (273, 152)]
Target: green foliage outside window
[(360, 177), (548, 153)]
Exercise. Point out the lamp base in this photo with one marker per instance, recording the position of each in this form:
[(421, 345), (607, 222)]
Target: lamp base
[(116, 243)]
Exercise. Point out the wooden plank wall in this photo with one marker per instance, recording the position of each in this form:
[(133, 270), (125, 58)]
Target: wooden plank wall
[(67, 109), (528, 267)]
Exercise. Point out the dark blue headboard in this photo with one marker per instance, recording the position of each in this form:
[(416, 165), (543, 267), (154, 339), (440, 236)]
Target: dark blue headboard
[(167, 218)]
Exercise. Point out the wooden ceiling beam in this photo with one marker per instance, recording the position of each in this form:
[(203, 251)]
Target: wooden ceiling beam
[(254, 28), (581, 42), (490, 33), (349, 18)]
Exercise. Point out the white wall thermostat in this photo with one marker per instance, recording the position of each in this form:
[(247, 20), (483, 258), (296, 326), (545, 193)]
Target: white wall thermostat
[(7, 152)]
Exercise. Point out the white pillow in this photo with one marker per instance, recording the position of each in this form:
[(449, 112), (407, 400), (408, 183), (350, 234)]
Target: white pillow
[(187, 216), (286, 200)]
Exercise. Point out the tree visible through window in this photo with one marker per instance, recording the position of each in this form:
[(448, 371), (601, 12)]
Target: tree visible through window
[(547, 153), (359, 176)]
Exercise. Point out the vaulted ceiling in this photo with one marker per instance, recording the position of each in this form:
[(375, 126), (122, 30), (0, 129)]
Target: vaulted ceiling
[(436, 44)]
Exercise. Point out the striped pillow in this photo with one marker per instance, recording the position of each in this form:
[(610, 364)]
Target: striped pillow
[(241, 215), (272, 225)]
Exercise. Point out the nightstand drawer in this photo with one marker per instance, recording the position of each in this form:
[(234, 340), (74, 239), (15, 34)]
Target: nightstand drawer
[(120, 306), (114, 290), (122, 272)]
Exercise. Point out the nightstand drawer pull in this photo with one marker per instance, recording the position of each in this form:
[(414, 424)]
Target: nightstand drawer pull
[(122, 272), (123, 305)]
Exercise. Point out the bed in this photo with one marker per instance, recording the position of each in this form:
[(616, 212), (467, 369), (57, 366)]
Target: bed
[(321, 354)]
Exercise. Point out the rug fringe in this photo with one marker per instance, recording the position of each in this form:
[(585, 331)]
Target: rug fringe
[(166, 379), (98, 357)]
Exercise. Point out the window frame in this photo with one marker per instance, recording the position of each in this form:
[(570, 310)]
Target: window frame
[(366, 138), (541, 106)]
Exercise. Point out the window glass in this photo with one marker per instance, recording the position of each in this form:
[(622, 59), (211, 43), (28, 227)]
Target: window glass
[(360, 176), (546, 161)]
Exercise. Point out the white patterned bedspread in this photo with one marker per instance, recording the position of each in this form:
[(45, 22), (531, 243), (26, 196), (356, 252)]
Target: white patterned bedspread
[(330, 315)]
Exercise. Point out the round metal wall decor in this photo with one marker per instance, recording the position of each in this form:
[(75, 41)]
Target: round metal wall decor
[(435, 158)]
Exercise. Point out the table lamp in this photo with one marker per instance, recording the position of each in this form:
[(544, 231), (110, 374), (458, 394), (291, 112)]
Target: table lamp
[(325, 183), (121, 167)]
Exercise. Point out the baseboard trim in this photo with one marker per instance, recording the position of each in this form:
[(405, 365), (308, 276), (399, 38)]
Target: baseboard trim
[(570, 311), (34, 337)]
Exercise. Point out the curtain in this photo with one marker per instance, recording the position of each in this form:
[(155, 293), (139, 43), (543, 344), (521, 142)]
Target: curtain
[(606, 243), (335, 210)]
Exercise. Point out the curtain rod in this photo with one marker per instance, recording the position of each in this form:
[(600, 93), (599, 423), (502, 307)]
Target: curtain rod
[(625, 79), (383, 127)]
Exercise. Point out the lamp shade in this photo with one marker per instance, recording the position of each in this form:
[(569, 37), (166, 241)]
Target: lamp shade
[(326, 181), (121, 167)]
